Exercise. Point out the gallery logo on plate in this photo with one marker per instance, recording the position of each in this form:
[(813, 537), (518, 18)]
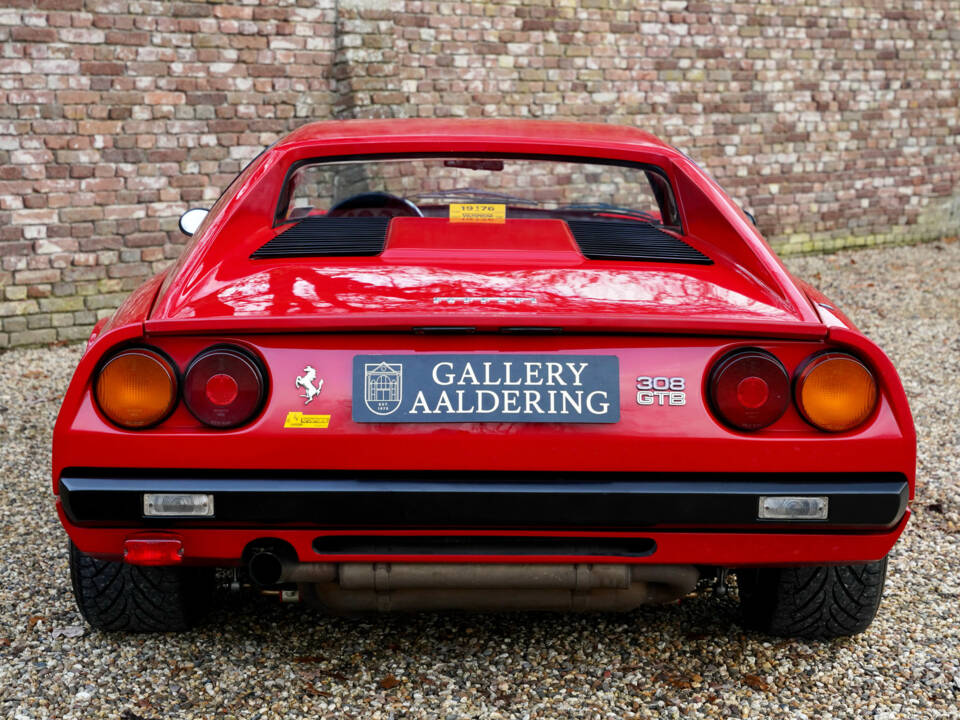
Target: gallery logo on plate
[(382, 387)]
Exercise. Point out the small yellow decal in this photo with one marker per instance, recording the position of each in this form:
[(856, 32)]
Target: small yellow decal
[(477, 213), (302, 420)]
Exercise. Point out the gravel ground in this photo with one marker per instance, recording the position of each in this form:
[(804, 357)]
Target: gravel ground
[(261, 660)]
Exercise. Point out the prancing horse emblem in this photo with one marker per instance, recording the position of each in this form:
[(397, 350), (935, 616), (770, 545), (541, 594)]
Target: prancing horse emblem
[(305, 381)]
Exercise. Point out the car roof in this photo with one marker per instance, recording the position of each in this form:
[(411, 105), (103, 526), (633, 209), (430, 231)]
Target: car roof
[(553, 132)]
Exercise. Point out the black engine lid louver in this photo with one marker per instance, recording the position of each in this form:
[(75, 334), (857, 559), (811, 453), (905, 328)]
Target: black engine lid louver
[(606, 240), (366, 236), (328, 236)]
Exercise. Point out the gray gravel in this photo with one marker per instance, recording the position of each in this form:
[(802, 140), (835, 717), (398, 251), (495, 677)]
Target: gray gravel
[(257, 659)]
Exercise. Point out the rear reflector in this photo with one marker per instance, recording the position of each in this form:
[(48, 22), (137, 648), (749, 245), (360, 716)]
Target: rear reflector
[(177, 505), (153, 551), (222, 389), (793, 507)]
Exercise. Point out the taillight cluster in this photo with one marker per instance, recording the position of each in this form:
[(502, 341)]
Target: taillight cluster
[(223, 386), (750, 389)]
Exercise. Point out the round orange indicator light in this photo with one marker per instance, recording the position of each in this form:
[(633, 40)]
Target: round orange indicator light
[(836, 392), (136, 388)]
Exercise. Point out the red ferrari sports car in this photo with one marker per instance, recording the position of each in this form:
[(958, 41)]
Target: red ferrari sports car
[(416, 364)]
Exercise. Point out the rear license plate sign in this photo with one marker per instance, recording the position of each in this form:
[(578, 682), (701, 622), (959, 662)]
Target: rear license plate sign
[(486, 388)]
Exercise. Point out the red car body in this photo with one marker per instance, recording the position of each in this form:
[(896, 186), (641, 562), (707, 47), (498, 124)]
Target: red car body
[(429, 292)]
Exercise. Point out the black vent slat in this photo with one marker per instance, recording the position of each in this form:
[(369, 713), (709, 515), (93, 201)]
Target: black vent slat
[(328, 236), (322, 236), (611, 240)]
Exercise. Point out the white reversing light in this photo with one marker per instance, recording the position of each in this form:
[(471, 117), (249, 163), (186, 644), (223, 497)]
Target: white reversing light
[(177, 505), (793, 507)]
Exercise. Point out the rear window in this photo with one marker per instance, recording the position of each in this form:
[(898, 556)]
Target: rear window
[(537, 187)]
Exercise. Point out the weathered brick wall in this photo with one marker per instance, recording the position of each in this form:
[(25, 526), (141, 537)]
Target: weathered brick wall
[(834, 121)]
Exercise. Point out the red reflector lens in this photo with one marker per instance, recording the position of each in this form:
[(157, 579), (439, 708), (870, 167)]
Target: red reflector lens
[(151, 551), (749, 389), (223, 387), (752, 392)]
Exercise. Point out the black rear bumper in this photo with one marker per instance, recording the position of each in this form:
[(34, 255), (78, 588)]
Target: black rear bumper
[(574, 501)]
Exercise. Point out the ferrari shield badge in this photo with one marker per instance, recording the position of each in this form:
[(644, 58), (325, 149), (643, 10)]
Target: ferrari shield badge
[(382, 387), (306, 381)]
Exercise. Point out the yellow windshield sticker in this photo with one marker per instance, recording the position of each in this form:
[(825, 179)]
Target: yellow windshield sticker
[(302, 420), (477, 213)]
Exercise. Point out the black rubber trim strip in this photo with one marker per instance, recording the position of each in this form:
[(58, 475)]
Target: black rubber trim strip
[(528, 500), (439, 545)]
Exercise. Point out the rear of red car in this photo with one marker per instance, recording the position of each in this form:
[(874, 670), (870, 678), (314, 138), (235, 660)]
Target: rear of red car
[(409, 371)]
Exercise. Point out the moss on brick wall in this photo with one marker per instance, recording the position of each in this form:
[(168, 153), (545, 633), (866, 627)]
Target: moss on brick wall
[(834, 122)]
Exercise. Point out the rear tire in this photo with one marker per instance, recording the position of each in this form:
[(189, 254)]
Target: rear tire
[(820, 602), (130, 598)]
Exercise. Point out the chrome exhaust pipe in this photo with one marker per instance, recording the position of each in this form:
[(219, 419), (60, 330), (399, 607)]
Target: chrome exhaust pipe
[(344, 587), (265, 568), (384, 577), (665, 583), (308, 573), (268, 568), (335, 599)]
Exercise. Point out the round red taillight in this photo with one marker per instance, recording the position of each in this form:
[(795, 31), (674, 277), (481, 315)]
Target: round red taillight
[(223, 387), (749, 389)]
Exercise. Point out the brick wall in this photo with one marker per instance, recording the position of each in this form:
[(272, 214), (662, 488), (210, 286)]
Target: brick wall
[(834, 121)]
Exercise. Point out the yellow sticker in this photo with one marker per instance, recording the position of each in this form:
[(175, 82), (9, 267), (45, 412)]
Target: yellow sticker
[(302, 420), (477, 213)]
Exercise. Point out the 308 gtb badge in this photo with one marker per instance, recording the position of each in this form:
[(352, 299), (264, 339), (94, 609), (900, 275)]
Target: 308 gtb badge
[(661, 390)]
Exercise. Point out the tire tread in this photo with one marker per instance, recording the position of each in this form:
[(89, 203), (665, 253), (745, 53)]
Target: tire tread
[(818, 602), (114, 596)]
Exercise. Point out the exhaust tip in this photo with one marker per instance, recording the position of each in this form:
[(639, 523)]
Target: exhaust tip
[(265, 568)]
